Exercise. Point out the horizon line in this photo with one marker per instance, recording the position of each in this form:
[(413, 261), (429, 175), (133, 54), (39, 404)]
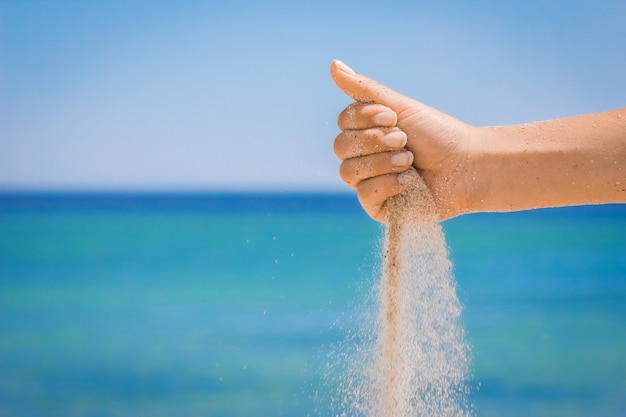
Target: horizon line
[(175, 191)]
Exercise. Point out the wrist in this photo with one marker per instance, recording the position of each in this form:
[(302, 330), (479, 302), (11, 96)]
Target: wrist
[(502, 172), (477, 172)]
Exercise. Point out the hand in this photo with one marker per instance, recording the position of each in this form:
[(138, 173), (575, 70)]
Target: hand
[(384, 133)]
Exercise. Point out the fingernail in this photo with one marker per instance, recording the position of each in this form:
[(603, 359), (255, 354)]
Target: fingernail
[(395, 139), (386, 118), (344, 68), (402, 159)]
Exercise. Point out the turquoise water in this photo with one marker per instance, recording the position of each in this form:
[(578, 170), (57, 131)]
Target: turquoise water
[(225, 305)]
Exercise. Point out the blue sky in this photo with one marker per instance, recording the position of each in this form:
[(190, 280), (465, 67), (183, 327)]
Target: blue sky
[(202, 95)]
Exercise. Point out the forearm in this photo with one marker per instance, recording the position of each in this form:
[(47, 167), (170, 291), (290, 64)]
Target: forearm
[(571, 161)]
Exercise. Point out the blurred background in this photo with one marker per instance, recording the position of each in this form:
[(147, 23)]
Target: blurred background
[(174, 237)]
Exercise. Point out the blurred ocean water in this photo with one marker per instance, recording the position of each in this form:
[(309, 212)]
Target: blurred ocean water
[(224, 304)]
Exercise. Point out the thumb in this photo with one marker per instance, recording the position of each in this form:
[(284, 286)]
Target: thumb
[(364, 89)]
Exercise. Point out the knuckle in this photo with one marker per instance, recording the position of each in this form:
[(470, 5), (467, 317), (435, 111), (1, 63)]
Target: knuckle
[(339, 146), (373, 134), (378, 189), (341, 121), (360, 115), (372, 200), (348, 144), (369, 189), (346, 118), (346, 172)]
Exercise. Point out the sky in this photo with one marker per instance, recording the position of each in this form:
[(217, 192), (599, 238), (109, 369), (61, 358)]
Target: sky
[(236, 95)]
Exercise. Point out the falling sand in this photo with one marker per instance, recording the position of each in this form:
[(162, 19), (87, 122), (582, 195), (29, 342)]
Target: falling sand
[(416, 363)]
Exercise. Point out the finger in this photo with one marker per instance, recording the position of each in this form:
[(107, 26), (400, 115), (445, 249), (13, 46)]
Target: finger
[(354, 143), (354, 171), (365, 89), (365, 115), (374, 192)]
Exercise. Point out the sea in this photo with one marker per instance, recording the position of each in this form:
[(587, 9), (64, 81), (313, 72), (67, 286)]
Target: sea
[(232, 304)]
